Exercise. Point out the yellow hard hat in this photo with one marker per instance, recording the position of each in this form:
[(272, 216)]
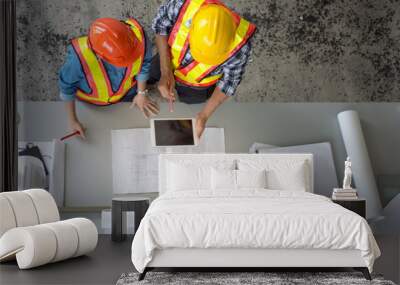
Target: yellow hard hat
[(212, 34)]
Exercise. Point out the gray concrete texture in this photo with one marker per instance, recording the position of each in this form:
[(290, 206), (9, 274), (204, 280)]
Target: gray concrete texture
[(303, 51)]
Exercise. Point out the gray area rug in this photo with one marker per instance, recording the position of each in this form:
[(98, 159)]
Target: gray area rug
[(243, 278)]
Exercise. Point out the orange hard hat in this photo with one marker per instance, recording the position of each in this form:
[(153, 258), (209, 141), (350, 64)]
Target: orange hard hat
[(114, 41)]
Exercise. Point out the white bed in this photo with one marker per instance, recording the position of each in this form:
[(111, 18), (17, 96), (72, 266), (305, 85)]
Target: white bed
[(202, 220)]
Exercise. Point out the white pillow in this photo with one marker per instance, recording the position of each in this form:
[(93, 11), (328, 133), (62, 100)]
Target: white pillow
[(228, 179), (251, 178), (223, 179), (282, 174), (182, 177), (193, 174)]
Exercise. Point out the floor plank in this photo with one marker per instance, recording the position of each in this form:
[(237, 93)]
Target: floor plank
[(103, 266)]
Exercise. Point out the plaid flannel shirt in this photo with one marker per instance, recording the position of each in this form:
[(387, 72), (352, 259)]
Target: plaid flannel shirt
[(232, 70)]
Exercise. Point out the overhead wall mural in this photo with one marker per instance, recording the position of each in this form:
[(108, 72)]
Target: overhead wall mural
[(303, 50)]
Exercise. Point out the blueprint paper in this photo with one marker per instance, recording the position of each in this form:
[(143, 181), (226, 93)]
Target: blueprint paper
[(325, 178), (135, 160), (356, 148)]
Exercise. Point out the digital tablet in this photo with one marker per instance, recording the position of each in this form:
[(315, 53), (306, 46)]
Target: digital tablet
[(173, 132)]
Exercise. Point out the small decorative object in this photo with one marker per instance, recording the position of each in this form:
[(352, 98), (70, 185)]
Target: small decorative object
[(347, 192), (347, 174)]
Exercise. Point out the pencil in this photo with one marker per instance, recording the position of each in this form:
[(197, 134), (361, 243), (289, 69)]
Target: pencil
[(69, 135)]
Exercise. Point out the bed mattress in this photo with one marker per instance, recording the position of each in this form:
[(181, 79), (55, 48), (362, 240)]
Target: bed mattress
[(250, 219)]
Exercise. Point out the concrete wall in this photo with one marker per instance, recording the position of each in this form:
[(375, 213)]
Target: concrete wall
[(88, 163), (304, 50)]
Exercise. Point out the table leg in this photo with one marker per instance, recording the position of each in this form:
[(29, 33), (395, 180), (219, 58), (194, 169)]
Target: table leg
[(116, 225)]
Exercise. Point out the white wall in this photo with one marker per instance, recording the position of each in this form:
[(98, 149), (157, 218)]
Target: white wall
[(88, 163)]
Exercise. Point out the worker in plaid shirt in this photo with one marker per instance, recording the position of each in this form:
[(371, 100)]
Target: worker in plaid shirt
[(203, 49)]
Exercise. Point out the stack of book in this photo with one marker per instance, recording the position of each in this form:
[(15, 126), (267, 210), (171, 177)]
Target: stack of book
[(344, 194)]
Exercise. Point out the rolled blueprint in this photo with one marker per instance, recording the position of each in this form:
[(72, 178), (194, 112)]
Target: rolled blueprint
[(363, 174)]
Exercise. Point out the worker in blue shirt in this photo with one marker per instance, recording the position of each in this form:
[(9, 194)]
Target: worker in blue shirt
[(110, 65)]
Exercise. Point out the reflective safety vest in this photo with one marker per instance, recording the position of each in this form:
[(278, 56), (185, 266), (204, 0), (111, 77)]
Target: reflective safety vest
[(197, 74), (96, 75)]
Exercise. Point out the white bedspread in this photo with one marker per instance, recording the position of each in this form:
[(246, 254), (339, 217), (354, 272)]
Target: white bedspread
[(250, 219)]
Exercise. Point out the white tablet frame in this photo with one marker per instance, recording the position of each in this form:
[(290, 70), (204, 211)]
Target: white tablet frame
[(153, 132)]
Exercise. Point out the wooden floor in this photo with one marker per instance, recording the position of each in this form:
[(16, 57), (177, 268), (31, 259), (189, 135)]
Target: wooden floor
[(111, 259), (103, 266)]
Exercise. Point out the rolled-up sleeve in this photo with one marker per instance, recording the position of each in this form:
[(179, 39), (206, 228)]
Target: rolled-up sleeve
[(144, 73), (67, 97), (166, 17), (233, 71), (69, 76)]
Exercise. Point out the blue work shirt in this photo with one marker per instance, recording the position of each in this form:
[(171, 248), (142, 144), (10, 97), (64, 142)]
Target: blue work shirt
[(72, 77)]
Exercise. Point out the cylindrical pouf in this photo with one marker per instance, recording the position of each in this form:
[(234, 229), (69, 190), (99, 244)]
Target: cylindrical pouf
[(7, 218), (87, 234), (356, 148), (33, 246), (67, 240), (23, 208), (45, 205)]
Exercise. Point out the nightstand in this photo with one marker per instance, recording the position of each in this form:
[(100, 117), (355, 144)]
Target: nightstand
[(357, 206), (136, 202)]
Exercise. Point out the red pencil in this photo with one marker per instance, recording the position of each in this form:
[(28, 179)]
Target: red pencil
[(70, 135)]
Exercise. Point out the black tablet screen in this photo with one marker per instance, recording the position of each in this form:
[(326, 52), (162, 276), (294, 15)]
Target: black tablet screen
[(173, 132)]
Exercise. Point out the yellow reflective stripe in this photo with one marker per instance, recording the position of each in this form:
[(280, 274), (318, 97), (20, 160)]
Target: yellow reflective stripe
[(83, 96), (137, 64), (241, 32), (134, 71), (183, 32), (128, 83), (95, 69), (115, 98), (135, 29), (197, 71), (206, 80), (211, 78)]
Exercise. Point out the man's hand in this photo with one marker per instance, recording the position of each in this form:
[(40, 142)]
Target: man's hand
[(201, 121), (217, 98), (74, 123), (146, 105), (166, 85), (75, 126)]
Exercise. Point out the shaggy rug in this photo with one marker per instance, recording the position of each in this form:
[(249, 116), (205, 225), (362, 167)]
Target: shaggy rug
[(244, 278)]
